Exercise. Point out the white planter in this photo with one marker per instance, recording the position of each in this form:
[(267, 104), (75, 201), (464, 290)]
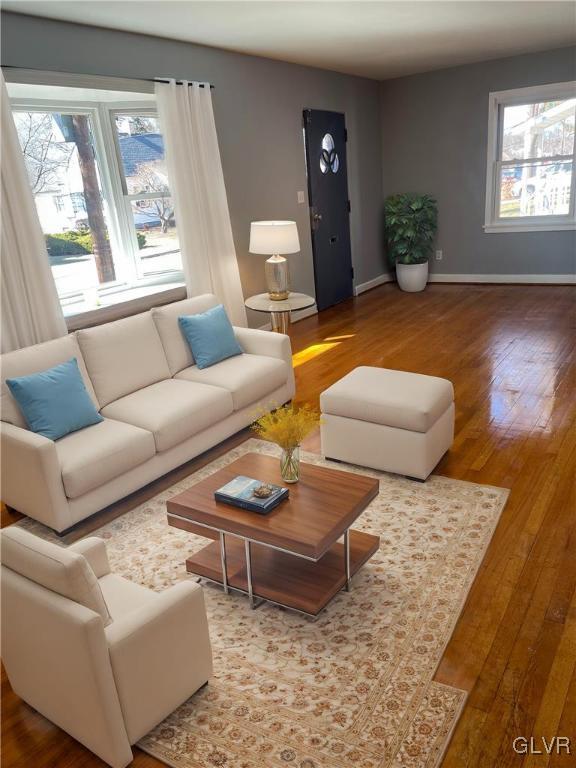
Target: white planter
[(412, 277)]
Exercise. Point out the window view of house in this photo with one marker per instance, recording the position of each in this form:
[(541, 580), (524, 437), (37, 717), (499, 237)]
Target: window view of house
[(141, 150), (537, 151), (104, 245)]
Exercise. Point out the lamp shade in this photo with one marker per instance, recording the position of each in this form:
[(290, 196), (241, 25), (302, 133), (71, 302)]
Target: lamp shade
[(274, 237)]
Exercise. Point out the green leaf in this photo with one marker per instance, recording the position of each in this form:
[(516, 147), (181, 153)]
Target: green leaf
[(410, 223)]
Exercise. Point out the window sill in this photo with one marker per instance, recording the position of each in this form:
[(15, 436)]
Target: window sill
[(558, 227), (127, 306)]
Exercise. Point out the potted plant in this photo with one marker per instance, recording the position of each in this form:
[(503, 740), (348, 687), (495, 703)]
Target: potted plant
[(410, 227), (287, 427)]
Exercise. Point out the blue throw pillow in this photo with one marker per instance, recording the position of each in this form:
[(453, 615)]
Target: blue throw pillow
[(210, 336), (55, 402)]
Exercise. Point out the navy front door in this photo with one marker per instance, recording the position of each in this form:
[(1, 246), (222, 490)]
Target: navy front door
[(325, 139)]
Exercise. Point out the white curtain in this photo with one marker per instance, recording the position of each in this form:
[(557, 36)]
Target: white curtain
[(197, 185), (30, 309)]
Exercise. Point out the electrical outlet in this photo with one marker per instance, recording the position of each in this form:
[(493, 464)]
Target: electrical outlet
[(301, 197), (439, 255)]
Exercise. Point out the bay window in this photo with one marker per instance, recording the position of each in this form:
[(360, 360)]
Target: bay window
[(97, 171)]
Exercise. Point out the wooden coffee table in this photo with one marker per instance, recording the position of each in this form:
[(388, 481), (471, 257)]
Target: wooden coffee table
[(292, 555)]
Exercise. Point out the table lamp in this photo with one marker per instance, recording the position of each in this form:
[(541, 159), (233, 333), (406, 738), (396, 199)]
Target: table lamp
[(275, 238)]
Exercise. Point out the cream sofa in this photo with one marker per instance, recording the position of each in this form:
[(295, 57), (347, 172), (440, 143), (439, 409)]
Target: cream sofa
[(159, 410), (103, 658)]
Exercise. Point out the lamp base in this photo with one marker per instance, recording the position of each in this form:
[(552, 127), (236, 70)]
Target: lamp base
[(277, 278), (278, 296)]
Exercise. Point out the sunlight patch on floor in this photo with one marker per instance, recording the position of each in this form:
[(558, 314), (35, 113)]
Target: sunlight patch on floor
[(314, 350), (340, 338)]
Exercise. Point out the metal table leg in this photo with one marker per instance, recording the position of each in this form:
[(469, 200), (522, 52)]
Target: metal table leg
[(249, 572), (223, 562), (280, 321), (347, 558)]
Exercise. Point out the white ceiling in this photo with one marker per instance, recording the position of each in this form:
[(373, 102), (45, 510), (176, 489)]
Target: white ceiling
[(377, 39)]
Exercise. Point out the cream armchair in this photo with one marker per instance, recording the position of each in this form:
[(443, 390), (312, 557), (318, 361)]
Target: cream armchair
[(101, 657)]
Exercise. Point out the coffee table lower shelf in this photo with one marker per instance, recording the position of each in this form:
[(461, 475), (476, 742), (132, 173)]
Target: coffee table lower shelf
[(279, 577)]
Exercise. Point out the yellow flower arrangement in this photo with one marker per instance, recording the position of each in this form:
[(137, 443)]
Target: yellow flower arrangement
[(287, 426)]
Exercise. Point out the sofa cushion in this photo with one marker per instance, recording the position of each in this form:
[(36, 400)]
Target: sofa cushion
[(248, 378), (123, 596), (53, 567), (97, 454), (55, 402), (395, 398), (24, 362), (123, 356), (175, 345), (172, 410)]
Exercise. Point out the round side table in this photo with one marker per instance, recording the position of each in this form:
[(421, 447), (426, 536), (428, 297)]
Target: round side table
[(279, 310)]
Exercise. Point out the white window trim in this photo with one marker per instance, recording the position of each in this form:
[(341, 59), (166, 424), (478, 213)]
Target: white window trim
[(73, 80), (492, 222)]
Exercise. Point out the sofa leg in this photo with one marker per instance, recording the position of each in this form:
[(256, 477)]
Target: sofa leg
[(416, 479), (66, 531), (329, 458)]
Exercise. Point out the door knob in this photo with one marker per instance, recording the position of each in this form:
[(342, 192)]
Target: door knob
[(315, 218)]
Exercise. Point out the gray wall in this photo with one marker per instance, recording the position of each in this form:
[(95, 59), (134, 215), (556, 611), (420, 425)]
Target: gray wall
[(258, 105), (434, 137), (424, 133)]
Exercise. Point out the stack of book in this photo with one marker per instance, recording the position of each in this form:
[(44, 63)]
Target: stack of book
[(247, 493)]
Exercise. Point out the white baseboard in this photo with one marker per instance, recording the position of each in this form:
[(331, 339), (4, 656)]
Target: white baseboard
[(386, 277), (437, 277), (300, 314)]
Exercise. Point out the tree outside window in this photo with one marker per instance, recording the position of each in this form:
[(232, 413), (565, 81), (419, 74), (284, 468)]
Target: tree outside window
[(102, 193)]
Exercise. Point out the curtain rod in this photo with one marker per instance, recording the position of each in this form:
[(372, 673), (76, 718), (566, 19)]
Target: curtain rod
[(178, 82)]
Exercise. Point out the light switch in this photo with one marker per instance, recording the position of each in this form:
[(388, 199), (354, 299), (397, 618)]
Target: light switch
[(301, 197)]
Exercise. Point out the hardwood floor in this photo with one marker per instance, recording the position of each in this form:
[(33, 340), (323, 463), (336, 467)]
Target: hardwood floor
[(510, 352)]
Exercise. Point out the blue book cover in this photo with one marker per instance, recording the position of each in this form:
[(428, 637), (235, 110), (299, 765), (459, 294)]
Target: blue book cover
[(240, 492)]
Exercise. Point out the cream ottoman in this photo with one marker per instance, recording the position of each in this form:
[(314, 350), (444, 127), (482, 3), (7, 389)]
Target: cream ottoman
[(390, 420)]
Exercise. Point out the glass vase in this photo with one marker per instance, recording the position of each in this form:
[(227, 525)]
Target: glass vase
[(290, 465)]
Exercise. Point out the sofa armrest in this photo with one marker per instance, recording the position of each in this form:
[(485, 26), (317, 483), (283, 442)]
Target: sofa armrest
[(257, 342), (160, 656), (32, 478), (94, 550)]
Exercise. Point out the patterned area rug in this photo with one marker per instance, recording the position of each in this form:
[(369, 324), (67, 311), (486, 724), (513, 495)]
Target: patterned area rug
[(352, 689)]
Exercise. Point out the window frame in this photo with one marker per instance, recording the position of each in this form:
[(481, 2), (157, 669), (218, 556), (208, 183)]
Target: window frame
[(144, 109), (498, 100), (121, 229)]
